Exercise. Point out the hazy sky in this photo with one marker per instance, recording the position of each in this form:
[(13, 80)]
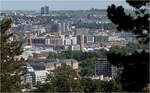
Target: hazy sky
[(59, 4)]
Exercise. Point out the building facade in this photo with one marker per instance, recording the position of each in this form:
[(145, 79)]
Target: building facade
[(103, 67), (44, 10)]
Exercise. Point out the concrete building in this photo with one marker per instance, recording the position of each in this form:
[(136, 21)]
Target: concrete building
[(70, 40), (88, 39), (39, 31), (74, 47), (36, 41), (112, 38), (103, 67), (63, 27), (40, 76), (27, 79), (51, 64), (63, 38), (98, 39), (59, 28), (33, 75), (106, 69), (52, 41), (80, 41), (67, 42), (73, 40)]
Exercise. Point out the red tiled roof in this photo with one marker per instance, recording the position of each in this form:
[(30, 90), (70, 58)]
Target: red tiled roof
[(40, 55)]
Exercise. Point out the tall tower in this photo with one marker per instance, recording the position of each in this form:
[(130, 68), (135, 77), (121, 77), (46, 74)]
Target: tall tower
[(103, 67), (44, 10), (63, 27), (81, 42), (59, 28)]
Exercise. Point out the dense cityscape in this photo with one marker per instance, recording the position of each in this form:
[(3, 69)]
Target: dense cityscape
[(71, 41)]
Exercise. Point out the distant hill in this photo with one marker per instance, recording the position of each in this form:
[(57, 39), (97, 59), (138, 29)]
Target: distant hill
[(78, 12)]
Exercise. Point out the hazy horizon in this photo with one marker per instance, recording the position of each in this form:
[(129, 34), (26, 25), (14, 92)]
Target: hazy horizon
[(36, 5)]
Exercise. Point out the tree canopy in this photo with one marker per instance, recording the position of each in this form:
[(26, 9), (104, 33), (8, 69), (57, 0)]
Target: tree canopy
[(11, 68), (125, 22), (65, 79), (135, 75)]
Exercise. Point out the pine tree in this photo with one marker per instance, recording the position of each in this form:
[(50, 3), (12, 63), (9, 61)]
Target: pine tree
[(138, 23), (135, 75), (11, 68)]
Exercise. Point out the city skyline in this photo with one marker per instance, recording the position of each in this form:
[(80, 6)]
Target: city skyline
[(60, 4)]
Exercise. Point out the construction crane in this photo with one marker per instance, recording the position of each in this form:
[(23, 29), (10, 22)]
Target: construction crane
[(30, 38), (53, 40)]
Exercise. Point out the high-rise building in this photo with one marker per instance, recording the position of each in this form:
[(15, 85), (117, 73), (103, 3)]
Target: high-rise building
[(59, 28), (44, 10), (63, 27), (80, 41), (56, 28), (103, 67)]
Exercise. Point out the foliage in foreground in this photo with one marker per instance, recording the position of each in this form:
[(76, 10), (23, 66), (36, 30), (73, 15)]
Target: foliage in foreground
[(135, 75), (11, 68), (65, 79)]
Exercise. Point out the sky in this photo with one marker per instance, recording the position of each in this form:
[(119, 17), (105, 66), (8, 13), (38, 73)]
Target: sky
[(59, 4)]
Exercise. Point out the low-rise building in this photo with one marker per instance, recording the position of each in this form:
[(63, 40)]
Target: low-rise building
[(37, 69), (40, 76), (51, 64), (34, 75), (74, 47), (89, 39)]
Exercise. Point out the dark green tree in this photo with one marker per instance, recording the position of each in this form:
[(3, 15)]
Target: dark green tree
[(64, 79), (135, 75), (90, 85), (137, 24), (11, 68), (87, 67)]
